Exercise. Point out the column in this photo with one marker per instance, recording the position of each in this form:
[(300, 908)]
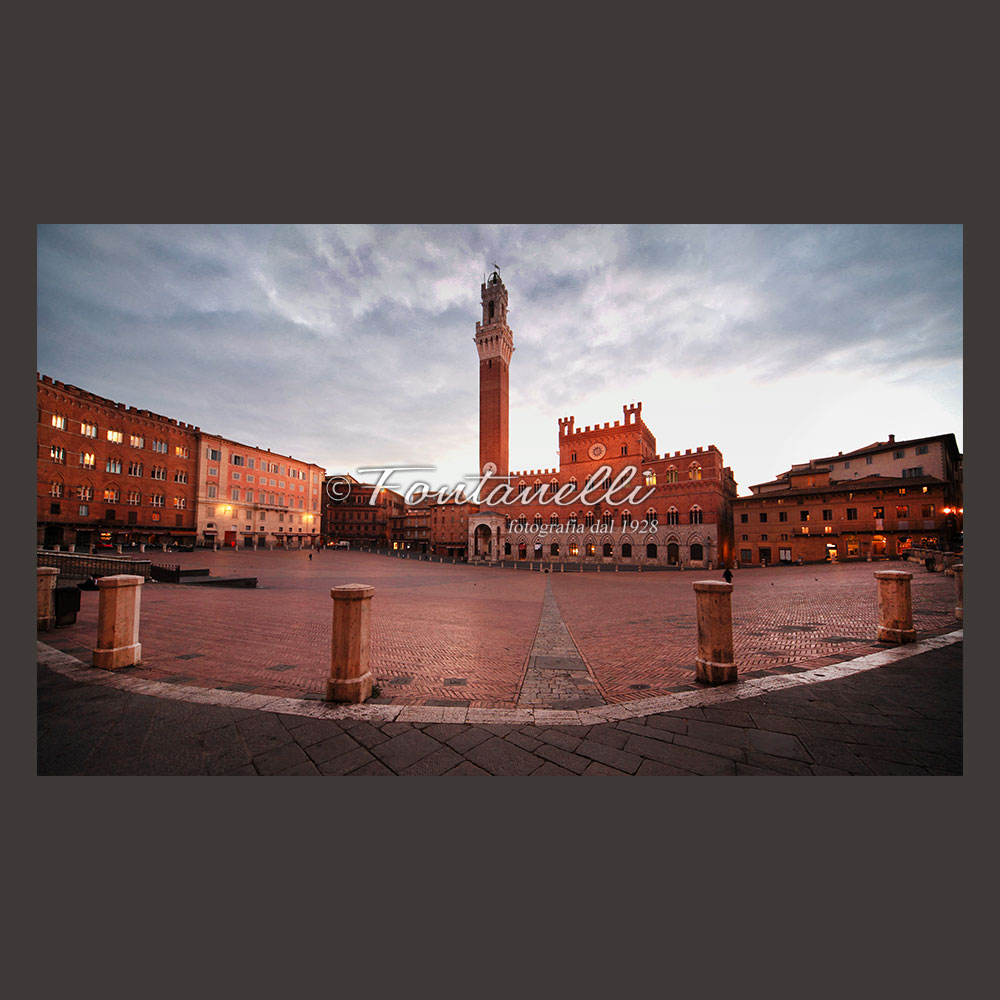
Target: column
[(895, 611), (350, 678), (47, 576), (715, 663), (118, 622)]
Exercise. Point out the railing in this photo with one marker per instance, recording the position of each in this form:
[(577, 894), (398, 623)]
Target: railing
[(73, 566)]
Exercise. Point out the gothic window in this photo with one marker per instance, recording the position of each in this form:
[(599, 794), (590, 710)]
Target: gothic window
[(651, 517), (673, 516), (696, 515), (626, 518), (553, 518), (695, 472)]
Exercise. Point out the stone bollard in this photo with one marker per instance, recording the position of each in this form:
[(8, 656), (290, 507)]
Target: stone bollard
[(350, 679), (118, 622), (958, 569), (895, 611), (715, 663), (164, 546), (118, 549), (71, 547), (142, 546), (47, 576)]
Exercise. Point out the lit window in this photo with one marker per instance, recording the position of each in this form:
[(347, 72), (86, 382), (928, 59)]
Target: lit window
[(803, 515), (134, 498), (111, 495), (180, 502), (88, 430), (180, 451), (695, 472), (88, 459), (58, 422), (57, 454), (156, 500), (136, 441), (902, 510), (116, 437), (85, 492)]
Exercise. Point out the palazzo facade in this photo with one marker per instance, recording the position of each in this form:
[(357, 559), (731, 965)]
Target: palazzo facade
[(620, 502)]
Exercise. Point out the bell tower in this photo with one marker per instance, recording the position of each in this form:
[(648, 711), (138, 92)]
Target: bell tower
[(495, 344)]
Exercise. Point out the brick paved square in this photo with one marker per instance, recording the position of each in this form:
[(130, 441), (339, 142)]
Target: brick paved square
[(432, 623)]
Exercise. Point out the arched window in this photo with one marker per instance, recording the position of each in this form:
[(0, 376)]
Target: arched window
[(673, 516), (697, 552), (56, 489), (671, 475), (607, 519), (607, 550), (491, 308), (626, 518), (522, 488), (651, 550), (651, 517), (650, 477), (695, 471), (574, 549), (571, 520), (573, 484), (522, 551), (112, 494), (506, 523), (522, 521), (538, 520), (553, 518), (588, 519), (554, 483), (696, 514), (626, 550), (673, 554), (554, 549)]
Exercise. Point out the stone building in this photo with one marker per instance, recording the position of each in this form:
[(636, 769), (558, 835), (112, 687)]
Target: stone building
[(877, 502), (411, 530), (350, 516), (253, 498), (674, 511), (111, 475)]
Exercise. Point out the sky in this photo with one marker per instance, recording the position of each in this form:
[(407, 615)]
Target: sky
[(352, 346)]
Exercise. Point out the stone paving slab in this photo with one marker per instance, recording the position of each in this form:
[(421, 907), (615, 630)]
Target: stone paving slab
[(899, 715)]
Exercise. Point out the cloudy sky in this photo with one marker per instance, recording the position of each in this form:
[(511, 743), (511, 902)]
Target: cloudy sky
[(352, 346)]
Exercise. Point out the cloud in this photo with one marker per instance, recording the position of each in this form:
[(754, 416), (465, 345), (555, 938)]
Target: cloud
[(348, 345)]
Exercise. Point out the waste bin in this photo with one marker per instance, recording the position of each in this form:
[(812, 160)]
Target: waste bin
[(67, 604)]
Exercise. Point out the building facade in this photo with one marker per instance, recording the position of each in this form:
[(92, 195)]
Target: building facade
[(877, 502), (411, 530), (350, 516), (670, 510), (252, 498), (111, 475)]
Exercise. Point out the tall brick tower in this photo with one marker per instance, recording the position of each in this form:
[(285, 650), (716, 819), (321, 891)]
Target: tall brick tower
[(495, 343)]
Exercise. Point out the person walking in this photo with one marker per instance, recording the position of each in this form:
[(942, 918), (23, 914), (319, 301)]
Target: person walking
[(728, 575)]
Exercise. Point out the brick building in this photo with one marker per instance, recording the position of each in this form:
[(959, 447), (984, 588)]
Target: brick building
[(350, 516), (680, 507), (411, 530), (253, 498), (111, 475), (876, 502)]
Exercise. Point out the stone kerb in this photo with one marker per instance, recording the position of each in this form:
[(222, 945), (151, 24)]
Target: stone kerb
[(715, 663), (895, 608), (350, 647), (47, 576), (118, 622)]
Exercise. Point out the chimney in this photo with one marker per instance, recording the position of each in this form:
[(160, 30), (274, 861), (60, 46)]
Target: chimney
[(892, 438)]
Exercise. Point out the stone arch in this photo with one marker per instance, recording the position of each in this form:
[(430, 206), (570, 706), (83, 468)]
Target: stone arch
[(482, 540)]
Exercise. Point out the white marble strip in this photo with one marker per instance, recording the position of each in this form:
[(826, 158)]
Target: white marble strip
[(69, 666)]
